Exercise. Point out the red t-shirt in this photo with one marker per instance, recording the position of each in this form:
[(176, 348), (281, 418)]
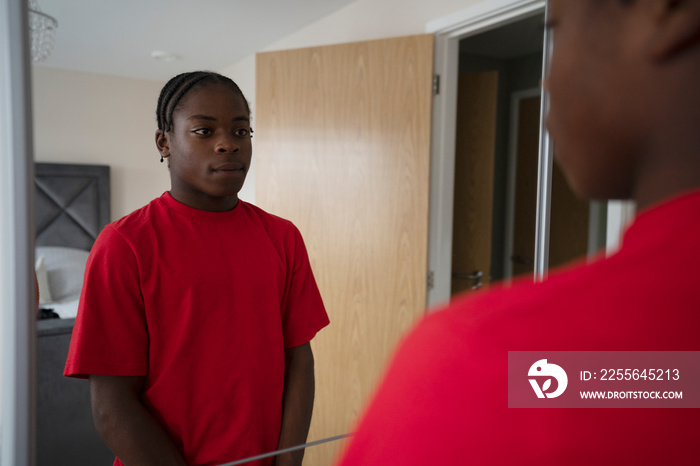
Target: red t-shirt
[(444, 398), (203, 304)]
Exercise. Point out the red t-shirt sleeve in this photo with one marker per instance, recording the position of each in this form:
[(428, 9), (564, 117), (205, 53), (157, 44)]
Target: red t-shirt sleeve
[(303, 313), (110, 335)]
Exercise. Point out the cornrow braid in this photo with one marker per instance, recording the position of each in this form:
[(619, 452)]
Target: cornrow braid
[(175, 89)]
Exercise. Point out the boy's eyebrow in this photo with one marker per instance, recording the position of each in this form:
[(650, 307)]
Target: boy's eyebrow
[(211, 118)]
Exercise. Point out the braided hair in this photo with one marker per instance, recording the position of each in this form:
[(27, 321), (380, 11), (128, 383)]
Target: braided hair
[(175, 89)]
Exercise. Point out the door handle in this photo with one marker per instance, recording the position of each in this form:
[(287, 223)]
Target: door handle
[(522, 260), (476, 276)]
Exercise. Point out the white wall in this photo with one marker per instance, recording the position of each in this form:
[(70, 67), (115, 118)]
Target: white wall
[(93, 119)]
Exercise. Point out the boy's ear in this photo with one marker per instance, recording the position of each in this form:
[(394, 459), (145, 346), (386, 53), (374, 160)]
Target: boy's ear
[(676, 26), (162, 143)]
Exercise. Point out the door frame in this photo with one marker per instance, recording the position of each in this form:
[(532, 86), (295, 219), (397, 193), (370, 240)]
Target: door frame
[(448, 32), (17, 308)]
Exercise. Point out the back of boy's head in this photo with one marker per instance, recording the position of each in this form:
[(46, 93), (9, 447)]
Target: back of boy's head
[(175, 89)]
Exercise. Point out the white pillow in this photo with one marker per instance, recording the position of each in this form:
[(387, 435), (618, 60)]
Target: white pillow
[(42, 278), (65, 268)]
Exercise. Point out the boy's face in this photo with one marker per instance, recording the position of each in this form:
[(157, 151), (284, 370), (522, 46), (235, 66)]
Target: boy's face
[(209, 148), (590, 82)]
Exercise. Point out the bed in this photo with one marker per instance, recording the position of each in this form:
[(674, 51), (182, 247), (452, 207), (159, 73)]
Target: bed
[(71, 208)]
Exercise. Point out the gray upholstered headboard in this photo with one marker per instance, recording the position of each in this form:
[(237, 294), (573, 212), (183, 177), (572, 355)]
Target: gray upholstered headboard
[(72, 207), (72, 204)]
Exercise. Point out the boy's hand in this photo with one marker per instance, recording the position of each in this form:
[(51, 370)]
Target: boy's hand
[(126, 426)]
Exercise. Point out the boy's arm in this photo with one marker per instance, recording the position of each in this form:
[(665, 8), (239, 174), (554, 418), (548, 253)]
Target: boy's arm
[(126, 426), (297, 402)]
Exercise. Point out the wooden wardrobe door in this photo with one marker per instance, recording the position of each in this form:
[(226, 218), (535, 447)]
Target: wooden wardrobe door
[(342, 148)]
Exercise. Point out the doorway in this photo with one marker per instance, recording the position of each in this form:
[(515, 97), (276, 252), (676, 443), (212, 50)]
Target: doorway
[(510, 44), (512, 55)]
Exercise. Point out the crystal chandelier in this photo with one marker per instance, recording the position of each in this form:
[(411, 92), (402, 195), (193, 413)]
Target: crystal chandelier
[(42, 29)]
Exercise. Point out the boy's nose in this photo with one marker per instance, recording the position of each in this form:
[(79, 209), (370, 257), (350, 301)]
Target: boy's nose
[(226, 145)]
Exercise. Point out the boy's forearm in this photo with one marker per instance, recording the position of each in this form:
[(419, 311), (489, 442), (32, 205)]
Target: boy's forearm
[(127, 427), (297, 403)]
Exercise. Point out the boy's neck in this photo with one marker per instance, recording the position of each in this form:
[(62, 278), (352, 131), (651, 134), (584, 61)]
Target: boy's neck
[(668, 174), (207, 203)]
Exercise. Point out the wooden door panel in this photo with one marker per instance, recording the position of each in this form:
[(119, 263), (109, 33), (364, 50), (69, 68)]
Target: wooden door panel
[(342, 148), (475, 151), (526, 187)]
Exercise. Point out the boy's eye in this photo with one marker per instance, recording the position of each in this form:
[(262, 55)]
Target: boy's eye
[(202, 131), (242, 132)]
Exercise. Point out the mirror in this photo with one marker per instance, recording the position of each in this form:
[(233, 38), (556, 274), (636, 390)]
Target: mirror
[(98, 116), (92, 118)]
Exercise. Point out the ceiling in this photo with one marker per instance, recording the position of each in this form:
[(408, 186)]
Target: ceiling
[(117, 37), (517, 39)]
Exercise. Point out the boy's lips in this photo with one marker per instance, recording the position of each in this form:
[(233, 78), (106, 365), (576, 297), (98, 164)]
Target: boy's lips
[(229, 167)]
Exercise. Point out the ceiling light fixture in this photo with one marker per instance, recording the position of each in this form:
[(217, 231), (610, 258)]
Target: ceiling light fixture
[(164, 56), (42, 29)]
